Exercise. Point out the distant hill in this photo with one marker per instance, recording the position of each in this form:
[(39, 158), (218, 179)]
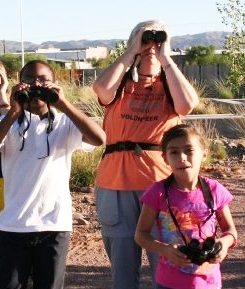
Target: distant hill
[(215, 38)]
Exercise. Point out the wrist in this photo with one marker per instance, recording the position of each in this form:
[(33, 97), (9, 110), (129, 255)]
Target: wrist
[(229, 233), (4, 105)]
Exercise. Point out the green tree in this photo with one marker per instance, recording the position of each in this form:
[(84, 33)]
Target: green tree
[(118, 51), (12, 64), (202, 55), (101, 63), (233, 16)]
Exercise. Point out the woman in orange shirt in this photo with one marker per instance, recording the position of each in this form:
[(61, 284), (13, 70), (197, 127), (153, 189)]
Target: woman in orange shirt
[(144, 94)]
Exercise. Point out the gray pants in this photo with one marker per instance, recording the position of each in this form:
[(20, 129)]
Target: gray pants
[(118, 212)]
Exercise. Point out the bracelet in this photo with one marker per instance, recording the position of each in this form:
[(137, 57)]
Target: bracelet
[(231, 234)]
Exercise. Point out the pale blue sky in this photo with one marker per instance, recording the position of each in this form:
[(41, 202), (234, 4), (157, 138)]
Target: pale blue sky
[(64, 20)]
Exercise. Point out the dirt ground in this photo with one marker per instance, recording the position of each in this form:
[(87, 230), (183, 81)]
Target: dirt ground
[(87, 263)]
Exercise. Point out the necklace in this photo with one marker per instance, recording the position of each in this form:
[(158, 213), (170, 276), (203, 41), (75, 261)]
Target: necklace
[(149, 80), (149, 75)]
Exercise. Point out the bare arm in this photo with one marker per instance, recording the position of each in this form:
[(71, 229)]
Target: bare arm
[(91, 131), (183, 93), (144, 239), (228, 237), (105, 86)]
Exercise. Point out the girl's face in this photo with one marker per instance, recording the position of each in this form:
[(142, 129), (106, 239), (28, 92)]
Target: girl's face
[(184, 155)]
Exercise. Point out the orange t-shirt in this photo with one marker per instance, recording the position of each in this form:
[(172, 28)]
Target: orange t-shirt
[(142, 114)]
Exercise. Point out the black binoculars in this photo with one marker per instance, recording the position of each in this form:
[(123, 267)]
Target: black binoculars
[(198, 254), (153, 35), (45, 94)]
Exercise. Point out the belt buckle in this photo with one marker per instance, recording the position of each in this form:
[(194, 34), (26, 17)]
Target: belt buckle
[(138, 150)]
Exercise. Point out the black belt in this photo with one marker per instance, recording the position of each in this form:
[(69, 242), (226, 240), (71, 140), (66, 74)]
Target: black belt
[(131, 146)]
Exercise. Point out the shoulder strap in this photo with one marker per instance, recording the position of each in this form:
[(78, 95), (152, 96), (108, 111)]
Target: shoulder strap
[(121, 86), (205, 188), (207, 195), (128, 74), (166, 87)]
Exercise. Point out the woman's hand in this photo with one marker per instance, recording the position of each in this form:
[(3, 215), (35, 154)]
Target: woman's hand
[(164, 48)]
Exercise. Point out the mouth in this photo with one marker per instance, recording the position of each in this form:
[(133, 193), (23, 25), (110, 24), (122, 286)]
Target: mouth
[(184, 168)]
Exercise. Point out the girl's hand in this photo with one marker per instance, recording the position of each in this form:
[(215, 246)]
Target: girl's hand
[(14, 104), (222, 254), (177, 258)]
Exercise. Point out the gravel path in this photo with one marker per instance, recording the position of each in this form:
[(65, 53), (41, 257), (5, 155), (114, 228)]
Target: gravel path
[(87, 263)]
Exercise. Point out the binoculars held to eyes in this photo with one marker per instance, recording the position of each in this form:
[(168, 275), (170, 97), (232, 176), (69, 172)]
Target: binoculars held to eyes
[(153, 35), (198, 254), (45, 94)]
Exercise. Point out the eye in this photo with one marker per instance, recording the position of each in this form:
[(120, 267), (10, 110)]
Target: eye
[(190, 150), (173, 152)]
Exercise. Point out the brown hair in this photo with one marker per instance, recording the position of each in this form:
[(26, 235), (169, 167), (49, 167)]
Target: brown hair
[(181, 130)]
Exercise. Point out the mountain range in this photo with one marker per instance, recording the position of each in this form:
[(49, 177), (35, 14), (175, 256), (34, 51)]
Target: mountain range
[(215, 38)]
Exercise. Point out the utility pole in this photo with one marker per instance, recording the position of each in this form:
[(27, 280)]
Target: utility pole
[(4, 47), (22, 42)]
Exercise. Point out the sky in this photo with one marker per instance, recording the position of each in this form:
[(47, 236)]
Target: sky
[(38, 21)]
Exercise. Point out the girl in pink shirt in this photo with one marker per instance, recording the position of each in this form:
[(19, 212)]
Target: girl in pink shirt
[(186, 208)]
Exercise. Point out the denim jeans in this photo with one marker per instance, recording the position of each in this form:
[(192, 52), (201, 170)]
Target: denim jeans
[(40, 254)]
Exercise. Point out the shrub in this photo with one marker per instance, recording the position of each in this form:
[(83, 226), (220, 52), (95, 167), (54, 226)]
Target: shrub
[(84, 167)]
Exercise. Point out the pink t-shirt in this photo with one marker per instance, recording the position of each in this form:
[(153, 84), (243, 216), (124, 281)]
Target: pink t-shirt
[(142, 114), (190, 210)]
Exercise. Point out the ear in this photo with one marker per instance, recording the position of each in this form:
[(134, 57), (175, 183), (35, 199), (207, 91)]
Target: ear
[(165, 159), (205, 155)]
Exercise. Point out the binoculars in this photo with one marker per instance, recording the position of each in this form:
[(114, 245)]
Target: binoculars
[(153, 35), (45, 94), (198, 254)]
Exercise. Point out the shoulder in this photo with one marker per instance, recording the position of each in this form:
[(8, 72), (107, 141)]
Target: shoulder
[(222, 196), (154, 193)]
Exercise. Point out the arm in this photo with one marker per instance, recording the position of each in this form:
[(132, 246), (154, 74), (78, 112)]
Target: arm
[(106, 84), (228, 238), (91, 131), (144, 239), (183, 93)]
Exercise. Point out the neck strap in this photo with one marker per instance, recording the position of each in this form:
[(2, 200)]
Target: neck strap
[(207, 195)]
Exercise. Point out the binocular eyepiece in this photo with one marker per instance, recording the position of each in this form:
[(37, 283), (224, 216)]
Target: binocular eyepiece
[(153, 35), (200, 253), (45, 94)]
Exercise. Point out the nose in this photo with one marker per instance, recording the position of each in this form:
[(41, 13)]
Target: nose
[(183, 157), (36, 81)]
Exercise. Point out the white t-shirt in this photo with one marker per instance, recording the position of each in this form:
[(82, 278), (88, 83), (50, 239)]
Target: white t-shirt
[(36, 191)]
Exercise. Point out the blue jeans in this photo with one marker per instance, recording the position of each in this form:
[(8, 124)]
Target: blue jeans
[(41, 255), (118, 212)]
